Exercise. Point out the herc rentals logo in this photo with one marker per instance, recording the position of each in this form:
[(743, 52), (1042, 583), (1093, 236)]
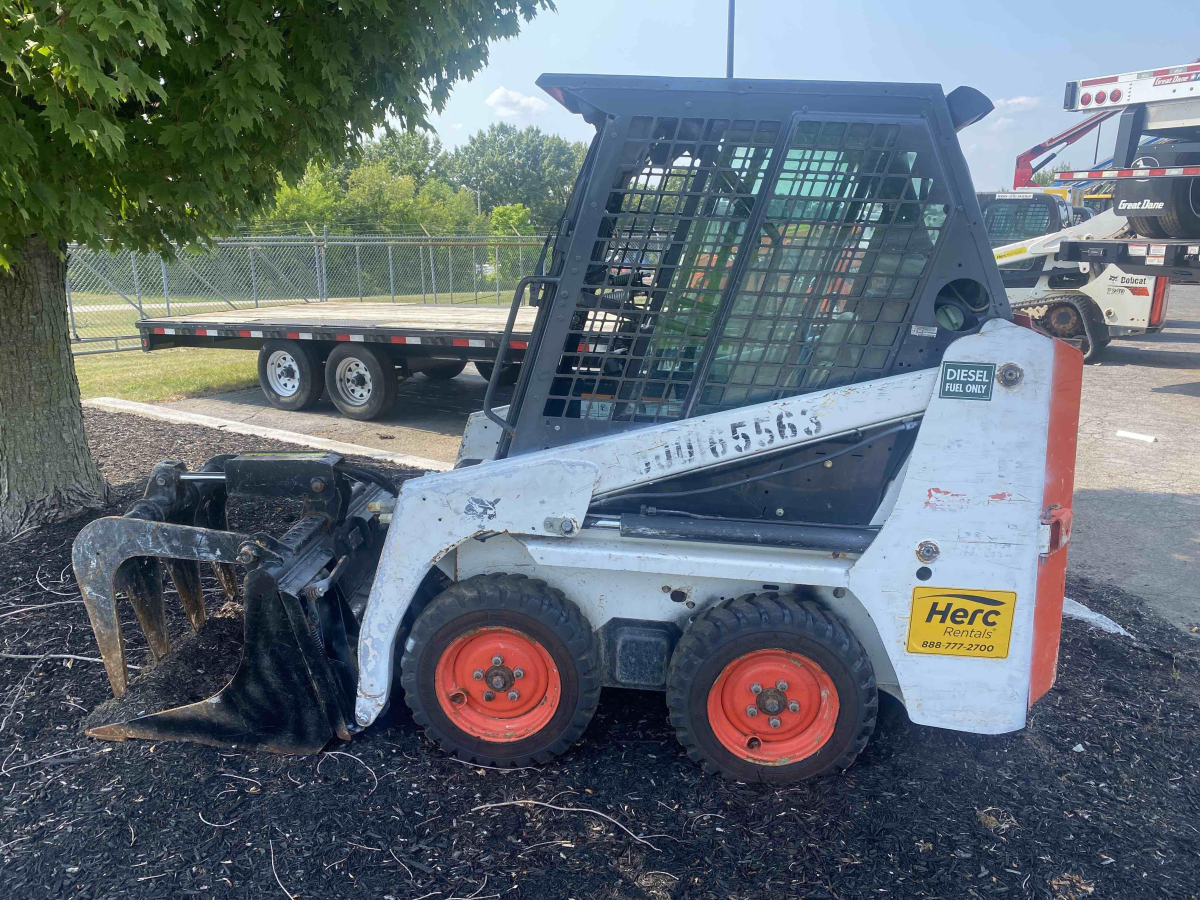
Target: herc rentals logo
[(957, 622)]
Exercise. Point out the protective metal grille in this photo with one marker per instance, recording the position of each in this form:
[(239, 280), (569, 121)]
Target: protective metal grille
[(850, 226), (676, 215)]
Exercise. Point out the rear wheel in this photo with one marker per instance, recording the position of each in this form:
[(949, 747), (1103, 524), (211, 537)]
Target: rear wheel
[(361, 382), (1183, 217), (290, 374), (501, 670), (509, 372), (769, 688), (1071, 322), (1148, 226)]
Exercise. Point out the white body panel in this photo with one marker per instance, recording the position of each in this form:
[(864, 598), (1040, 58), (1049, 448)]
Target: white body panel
[(973, 485)]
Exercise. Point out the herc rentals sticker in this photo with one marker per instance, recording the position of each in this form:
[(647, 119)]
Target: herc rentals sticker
[(958, 622), (967, 381)]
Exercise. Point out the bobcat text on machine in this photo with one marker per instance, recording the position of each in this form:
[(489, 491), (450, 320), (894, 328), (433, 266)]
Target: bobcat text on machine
[(1085, 304), (776, 445)]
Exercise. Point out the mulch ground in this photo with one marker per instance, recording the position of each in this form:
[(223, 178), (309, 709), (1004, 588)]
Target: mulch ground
[(1098, 797)]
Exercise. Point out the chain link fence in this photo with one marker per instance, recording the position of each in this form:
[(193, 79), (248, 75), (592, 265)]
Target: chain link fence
[(107, 293)]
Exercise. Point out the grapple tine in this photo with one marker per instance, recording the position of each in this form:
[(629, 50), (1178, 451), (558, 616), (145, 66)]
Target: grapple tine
[(210, 513), (185, 575), (118, 553), (140, 579), (277, 699)]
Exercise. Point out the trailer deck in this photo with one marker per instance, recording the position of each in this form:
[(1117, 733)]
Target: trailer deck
[(466, 331)]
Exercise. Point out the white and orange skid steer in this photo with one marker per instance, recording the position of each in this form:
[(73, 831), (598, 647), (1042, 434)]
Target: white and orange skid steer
[(776, 446)]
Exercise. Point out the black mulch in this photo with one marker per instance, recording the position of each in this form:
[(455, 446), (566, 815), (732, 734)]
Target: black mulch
[(1099, 796)]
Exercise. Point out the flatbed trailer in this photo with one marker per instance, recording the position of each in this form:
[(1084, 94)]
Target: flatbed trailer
[(358, 352)]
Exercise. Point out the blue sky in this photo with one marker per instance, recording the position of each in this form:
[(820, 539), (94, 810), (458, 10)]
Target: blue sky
[(1019, 54)]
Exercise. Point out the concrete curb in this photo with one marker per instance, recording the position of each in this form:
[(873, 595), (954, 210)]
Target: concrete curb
[(180, 417)]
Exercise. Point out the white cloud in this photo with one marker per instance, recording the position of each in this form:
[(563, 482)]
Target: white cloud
[(1000, 124), (514, 106), (1017, 104)]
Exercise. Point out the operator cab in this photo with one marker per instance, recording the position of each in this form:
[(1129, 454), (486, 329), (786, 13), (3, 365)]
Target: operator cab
[(1010, 217)]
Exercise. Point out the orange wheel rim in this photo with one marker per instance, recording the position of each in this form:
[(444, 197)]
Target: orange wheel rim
[(497, 684), (773, 707)]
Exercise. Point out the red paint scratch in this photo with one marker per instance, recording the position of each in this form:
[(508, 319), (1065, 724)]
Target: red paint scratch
[(1003, 495), (936, 498)]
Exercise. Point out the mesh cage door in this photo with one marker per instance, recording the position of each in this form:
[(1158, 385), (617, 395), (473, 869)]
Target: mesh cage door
[(678, 195), (828, 285)]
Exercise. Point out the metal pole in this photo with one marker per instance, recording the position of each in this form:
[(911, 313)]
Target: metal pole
[(421, 269), (71, 306), (391, 274), (137, 284), (317, 267), (358, 269), (253, 278), (450, 269), (729, 48), (497, 272), (433, 274), (166, 290), (474, 276)]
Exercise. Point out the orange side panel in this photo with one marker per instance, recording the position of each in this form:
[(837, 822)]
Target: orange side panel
[(1060, 485)]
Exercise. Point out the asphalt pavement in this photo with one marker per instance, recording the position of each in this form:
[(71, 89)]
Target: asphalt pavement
[(1137, 502)]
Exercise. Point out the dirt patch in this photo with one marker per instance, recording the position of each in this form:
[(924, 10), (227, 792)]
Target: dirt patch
[(1098, 797)]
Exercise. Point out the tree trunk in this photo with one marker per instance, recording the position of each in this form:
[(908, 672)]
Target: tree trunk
[(46, 470)]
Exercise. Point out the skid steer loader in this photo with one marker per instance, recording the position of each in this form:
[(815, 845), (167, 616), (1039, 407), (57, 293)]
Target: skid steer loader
[(776, 446)]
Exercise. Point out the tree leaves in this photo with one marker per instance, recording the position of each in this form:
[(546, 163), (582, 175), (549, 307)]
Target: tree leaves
[(148, 122)]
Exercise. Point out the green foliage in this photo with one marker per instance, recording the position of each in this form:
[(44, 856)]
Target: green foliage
[(155, 121), (415, 153), (510, 165), (510, 218), (1045, 177)]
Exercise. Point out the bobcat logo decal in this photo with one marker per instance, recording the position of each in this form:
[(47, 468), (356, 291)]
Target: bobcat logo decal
[(481, 509)]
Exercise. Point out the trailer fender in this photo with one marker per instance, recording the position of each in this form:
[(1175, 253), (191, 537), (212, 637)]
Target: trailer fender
[(436, 513)]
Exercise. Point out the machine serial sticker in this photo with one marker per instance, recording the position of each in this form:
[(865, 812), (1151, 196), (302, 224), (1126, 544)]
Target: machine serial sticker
[(961, 622), (923, 331), (967, 381)]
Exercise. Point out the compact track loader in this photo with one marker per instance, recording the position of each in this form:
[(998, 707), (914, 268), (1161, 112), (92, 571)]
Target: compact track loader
[(776, 446)]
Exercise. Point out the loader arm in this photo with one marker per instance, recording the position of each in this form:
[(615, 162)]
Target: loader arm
[(1102, 227)]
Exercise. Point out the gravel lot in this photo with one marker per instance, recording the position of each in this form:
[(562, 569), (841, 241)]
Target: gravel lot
[(1099, 796)]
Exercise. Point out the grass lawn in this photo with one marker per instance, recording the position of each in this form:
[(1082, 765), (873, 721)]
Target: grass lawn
[(166, 375)]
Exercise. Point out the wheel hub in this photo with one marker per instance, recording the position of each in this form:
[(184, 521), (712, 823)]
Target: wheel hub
[(354, 381), (1064, 322), (283, 373), (773, 707), (497, 684)]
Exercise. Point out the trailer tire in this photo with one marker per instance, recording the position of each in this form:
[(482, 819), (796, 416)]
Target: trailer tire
[(509, 372), (1182, 219), (289, 374), (830, 693), (361, 381), (531, 624), (1148, 226), (444, 370)]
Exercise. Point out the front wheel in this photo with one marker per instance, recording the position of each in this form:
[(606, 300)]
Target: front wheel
[(290, 374), (361, 381), (770, 688), (501, 670)]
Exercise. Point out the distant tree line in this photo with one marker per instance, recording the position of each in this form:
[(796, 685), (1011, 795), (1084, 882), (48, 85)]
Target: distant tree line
[(502, 179)]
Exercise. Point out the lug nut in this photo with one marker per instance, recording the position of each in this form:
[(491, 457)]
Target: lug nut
[(498, 682), (752, 711), (794, 706), (781, 684), (518, 673), (514, 696), (477, 674), (489, 696), (773, 721), (497, 660), (756, 688)]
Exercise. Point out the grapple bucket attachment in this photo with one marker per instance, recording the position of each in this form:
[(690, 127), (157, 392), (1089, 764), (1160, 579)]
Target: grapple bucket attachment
[(293, 688)]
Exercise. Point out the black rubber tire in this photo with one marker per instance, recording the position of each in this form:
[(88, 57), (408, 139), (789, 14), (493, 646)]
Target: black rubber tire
[(1148, 226), (532, 607), (1095, 336), (444, 370), (384, 382), (761, 621), (307, 361), (1182, 219), (509, 372)]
